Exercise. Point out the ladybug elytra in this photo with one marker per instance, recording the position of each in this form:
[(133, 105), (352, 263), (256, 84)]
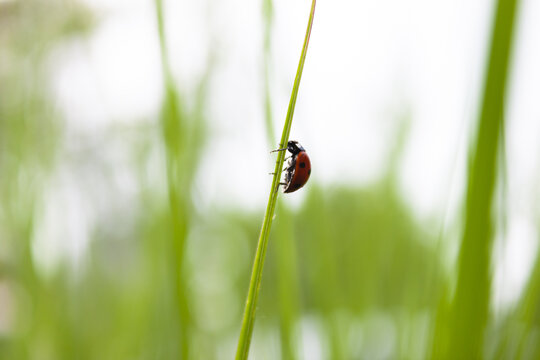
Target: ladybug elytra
[(298, 169)]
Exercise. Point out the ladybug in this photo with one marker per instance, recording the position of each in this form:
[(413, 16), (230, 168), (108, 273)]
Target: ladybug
[(298, 169)]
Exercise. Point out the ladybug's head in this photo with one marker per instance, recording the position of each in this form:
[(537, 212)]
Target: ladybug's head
[(294, 147)]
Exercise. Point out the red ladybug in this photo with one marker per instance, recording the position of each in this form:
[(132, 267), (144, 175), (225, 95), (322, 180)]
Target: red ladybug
[(298, 169)]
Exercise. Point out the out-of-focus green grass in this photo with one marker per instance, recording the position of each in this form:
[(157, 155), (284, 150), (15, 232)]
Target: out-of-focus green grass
[(462, 334), (350, 269)]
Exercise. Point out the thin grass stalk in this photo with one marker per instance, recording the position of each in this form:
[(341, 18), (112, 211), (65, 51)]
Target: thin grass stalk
[(246, 331), (285, 245)]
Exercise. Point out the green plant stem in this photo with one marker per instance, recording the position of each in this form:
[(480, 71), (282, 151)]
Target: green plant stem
[(284, 245), (246, 331)]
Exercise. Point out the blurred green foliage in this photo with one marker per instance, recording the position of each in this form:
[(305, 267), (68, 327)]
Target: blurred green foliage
[(350, 272)]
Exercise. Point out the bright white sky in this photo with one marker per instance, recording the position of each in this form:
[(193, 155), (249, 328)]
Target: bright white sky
[(368, 63)]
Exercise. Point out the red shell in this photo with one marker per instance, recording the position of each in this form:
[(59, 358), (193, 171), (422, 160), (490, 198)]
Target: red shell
[(298, 175)]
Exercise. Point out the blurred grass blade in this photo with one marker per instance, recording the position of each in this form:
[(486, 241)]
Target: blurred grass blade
[(174, 134), (469, 311), (268, 15), (285, 246), (246, 331), (285, 254), (528, 314)]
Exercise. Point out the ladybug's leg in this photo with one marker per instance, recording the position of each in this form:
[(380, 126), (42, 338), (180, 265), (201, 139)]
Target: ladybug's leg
[(285, 169), (291, 165), (288, 176), (278, 150)]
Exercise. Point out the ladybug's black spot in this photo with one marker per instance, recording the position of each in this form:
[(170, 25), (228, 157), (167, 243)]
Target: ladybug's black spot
[(302, 165), (309, 172), (297, 185)]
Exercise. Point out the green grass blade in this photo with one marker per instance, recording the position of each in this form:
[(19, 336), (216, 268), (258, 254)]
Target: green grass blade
[(285, 254), (469, 311), (173, 126), (246, 331), (268, 15)]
